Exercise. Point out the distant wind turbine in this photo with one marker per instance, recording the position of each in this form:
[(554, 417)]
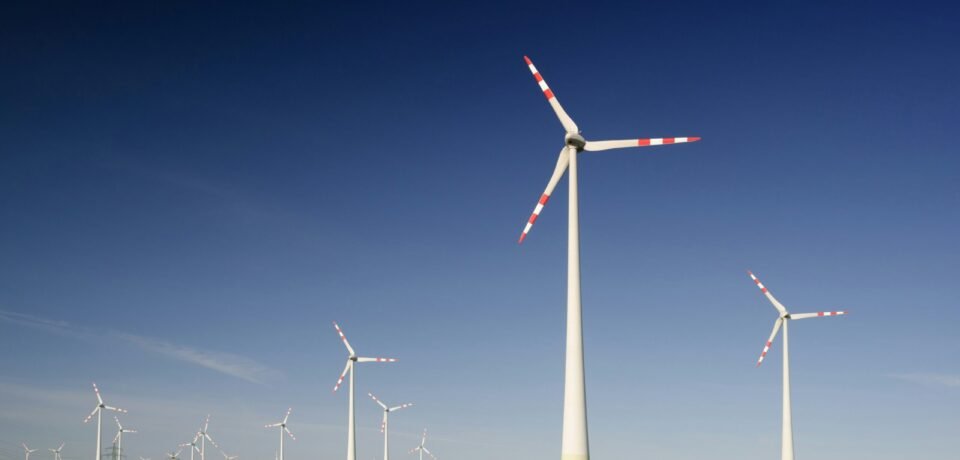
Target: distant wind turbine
[(98, 411), (174, 455), (204, 437), (283, 430), (352, 359), (422, 447), (118, 439), (786, 447), (385, 425), (56, 452), (27, 451), (192, 445)]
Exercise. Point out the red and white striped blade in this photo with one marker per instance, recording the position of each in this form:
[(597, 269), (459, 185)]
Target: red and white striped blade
[(285, 417), (766, 292), (596, 146), (115, 409), (384, 406), (414, 450), (816, 315), (429, 453), (376, 360), (562, 162), (289, 433), (766, 348), (565, 120), (97, 392), (91, 414), (342, 375), (402, 406), (344, 339)]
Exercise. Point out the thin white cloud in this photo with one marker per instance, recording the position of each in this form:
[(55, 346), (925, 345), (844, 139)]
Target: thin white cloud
[(941, 380), (230, 364)]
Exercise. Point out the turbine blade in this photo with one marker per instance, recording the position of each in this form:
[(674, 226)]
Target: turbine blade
[(384, 406), (273, 425), (97, 392), (285, 417), (766, 348), (429, 453), (91, 414), (766, 292), (342, 375), (402, 406), (562, 161), (377, 360), (565, 119), (596, 146), (414, 450), (816, 315), (206, 424), (211, 440), (289, 433), (344, 339), (119, 426), (115, 409)]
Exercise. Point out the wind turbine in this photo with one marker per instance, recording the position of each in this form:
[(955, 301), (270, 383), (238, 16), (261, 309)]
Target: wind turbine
[(175, 455), (422, 447), (98, 411), (118, 439), (204, 437), (56, 452), (352, 359), (192, 445), (786, 447), (385, 425), (283, 428), (574, 444), (27, 451), (229, 457)]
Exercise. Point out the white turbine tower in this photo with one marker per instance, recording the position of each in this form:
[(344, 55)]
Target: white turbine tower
[(422, 447), (118, 439), (204, 437), (786, 447), (385, 425), (27, 451), (283, 430), (574, 443), (98, 411), (56, 452), (352, 359)]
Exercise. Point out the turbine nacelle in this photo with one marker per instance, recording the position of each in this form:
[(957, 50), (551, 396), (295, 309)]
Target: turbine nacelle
[(575, 140)]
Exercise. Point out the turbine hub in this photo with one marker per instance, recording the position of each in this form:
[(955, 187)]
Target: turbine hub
[(575, 140)]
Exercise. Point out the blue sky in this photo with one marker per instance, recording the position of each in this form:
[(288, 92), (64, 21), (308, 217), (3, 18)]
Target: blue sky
[(190, 195)]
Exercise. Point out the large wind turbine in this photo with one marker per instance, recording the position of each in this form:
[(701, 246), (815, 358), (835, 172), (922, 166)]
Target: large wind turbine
[(574, 444), (352, 359), (118, 439), (422, 447), (204, 437), (98, 411), (283, 429), (385, 425), (56, 452), (27, 451), (786, 447)]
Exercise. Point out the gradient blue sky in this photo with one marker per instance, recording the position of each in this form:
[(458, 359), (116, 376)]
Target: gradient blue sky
[(189, 195)]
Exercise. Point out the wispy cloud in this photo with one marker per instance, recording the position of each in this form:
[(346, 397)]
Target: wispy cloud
[(941, 380), (230, 364)]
